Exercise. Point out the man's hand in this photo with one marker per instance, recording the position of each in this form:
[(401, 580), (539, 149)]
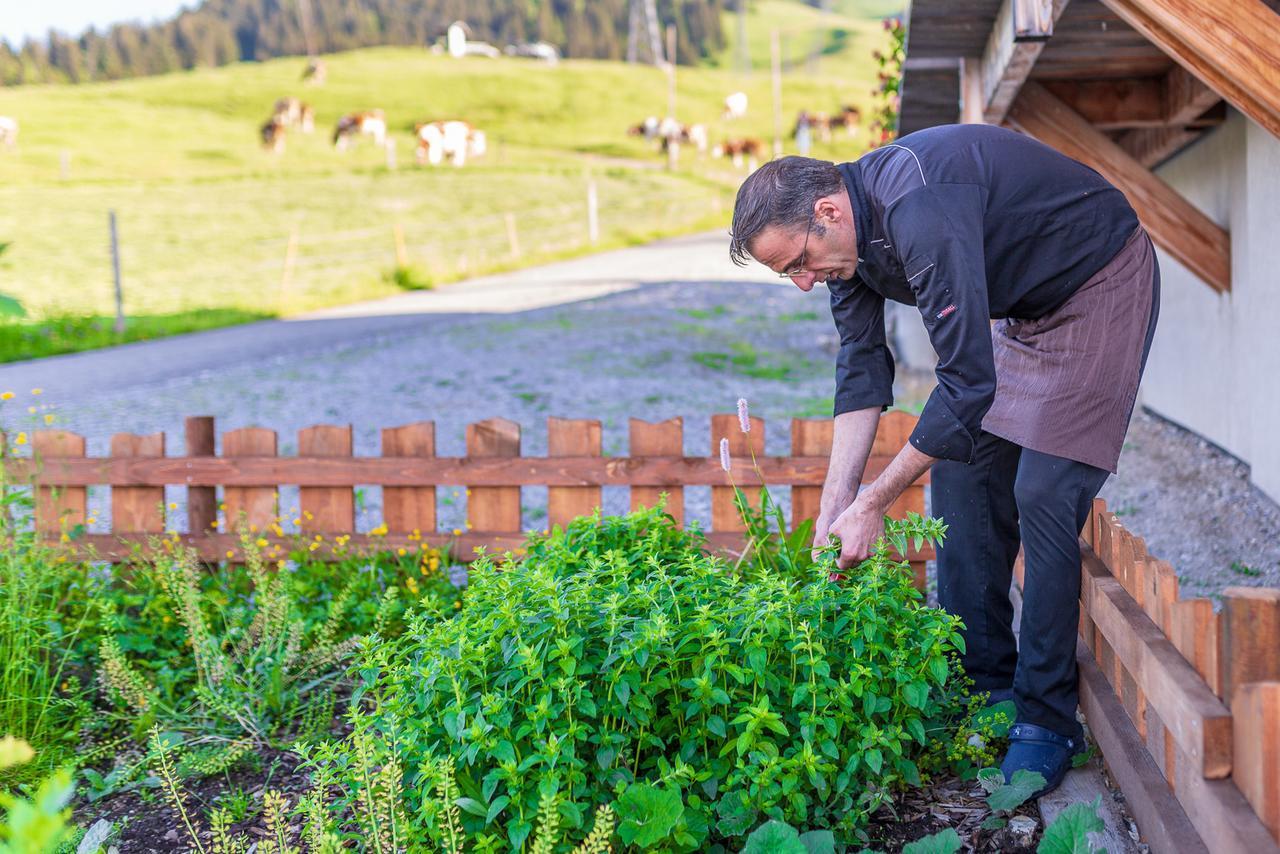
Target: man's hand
[(858, 527)]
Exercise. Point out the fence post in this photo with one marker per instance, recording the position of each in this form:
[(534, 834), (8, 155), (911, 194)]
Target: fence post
[(290, 257), (202, 504), (326, 509), (593, 212), (494, 509), (391, 155), (59, 508), (571, 438), (402, 254), (137, 509), (115, 270), (664, 438), (513, 239), (775, 54)]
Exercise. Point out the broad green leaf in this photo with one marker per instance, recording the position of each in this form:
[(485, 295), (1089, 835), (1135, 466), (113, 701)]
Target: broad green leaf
[(11, 308), (917, 694), (1013, 795), (774, 837), (472, 806), (943, 842), (1069, 832), (736, 815), (819, 842), (648, 814), (496, 808)]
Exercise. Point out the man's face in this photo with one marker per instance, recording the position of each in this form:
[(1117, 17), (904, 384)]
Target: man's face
[(826, 250)]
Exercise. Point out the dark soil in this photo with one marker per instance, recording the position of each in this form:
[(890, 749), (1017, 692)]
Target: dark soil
[(148, 824)]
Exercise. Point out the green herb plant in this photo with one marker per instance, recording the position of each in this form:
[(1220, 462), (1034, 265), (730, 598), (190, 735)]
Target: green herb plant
[(619, 652)]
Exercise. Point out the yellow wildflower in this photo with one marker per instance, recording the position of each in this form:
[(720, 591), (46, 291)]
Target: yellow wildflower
[(400, 552), (297, 521), (222, 505), (261, 543), (8, 395), (48, 418), (173, 505), (66, 538), (31, 410), (167, 619), (230, 554), (380, 531), (91, 520), (307, 515), (457, 603), (313, 546), (37, 391), (457, 532), (21, 439)]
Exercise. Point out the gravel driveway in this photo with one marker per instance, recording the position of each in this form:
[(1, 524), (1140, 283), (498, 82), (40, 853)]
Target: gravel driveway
[(668, 329)]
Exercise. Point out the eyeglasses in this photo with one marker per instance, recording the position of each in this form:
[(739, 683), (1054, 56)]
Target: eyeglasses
[(800, 271)]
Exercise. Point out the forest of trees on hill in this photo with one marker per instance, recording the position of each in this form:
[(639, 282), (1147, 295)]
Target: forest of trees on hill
[(217, 32)]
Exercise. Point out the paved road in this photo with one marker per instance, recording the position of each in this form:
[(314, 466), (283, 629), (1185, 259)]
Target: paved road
[(73, 377)]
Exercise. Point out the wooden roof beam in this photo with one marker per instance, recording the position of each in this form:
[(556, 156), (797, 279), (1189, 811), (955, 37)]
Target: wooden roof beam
[(1015, 43), (1152, 146), (1177, 100), (1200, 244), (1231, 45)]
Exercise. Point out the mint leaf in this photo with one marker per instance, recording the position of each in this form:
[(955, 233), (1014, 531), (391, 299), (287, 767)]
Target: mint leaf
[(774, 837), (648, 814), (1023, 785)]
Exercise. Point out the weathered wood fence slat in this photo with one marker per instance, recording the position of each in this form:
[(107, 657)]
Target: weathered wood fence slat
[(250, 471), (1199, 746)]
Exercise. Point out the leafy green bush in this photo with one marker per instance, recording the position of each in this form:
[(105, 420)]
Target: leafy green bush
[(619, 652)]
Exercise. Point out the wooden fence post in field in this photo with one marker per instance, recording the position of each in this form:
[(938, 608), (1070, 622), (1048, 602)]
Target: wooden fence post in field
[(391, 155), (59, 508), (290, 258), (137, 508), (202, 501), (402, 253), (409, 508), (593, 212), (115, 270), (775, 54), (513, 238), (326, 509), (572, 438), (665, 438)]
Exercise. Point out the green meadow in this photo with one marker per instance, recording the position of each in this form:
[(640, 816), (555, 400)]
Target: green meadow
[(208, 220)]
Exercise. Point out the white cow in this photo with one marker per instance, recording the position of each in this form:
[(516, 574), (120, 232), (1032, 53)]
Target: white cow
[(735, 105), (8, 131), (452, 139)]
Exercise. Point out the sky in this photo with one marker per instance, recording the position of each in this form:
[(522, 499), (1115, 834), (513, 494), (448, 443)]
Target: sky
[(22, 18)]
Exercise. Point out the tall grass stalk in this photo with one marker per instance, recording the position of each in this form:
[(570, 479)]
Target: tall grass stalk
[(37, 701)]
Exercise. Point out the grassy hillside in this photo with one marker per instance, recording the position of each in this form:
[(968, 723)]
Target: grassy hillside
[(207, 217)]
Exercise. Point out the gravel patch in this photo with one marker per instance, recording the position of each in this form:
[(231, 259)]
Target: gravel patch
[(686, 336)]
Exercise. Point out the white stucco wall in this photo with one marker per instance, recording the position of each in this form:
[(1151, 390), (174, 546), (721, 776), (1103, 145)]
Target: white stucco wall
[(1215, 364)]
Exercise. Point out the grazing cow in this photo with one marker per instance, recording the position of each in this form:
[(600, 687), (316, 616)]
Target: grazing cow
[(647, 128), (273, 133), (350, 127), (8, 131), (848, 118), (735, 105), (750, 148), (315, 72), (675, 133), (294, 113), (452, 139)]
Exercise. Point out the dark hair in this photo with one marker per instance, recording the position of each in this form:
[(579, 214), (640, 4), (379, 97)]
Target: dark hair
[(780, 194)]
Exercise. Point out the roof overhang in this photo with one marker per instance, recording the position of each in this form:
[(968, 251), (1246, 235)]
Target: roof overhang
[(1119, 84)]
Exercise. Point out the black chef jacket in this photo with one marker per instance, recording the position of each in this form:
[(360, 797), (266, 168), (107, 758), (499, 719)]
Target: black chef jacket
[(968, 223)]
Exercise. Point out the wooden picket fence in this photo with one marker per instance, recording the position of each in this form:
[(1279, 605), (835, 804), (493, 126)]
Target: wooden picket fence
[(1183, 702), (249, 473)]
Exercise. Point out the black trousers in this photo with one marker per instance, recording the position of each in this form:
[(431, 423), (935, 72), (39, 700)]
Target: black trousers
[(1011, 495)]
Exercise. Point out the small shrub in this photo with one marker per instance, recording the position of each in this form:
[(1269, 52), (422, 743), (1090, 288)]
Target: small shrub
[(410, 278), (620, 653)]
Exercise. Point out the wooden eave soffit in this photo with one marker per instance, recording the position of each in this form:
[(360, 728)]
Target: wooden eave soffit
[(1177, 226), (1231, 45)]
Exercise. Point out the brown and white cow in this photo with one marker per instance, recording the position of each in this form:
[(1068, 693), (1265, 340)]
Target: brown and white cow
[(8, 131), (453, 139), (749, 148), (294, 113), (368, 123), (273, 134)]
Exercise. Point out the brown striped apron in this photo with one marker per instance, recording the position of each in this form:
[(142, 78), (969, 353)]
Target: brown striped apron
[(1066, 382)]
